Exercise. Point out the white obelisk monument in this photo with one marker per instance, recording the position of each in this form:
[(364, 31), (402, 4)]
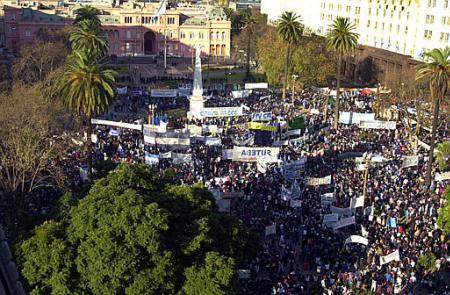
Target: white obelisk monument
[(196, 101)]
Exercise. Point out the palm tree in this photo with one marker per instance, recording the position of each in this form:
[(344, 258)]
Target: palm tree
[(249, 22), (343, 40), (88, 37), (88, 88), (290, 29), (437, 70), (87, 12)]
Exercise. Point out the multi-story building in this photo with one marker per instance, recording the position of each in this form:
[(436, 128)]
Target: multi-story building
[(406, 27), (132, 28)]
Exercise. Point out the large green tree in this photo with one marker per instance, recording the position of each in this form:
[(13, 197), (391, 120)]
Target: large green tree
[(437, 71), (343, 40), (291, 30), (444, 213), (136, 233), (88, 37), (249, 22)]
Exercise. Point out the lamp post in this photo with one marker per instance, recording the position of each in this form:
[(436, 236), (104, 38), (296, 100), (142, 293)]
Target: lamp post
[(367, 158), (151, 115), (294, 77)]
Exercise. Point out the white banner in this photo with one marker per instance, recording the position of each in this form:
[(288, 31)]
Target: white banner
[(116, 124), (442, 176), (221, 112), (249, 86), (319, 181), (271, 229), (344, 222), (164, 92), (167, 155), (341, 211), (263, 116), (390, 125), (122, 90), (151, 159), (357, 202), (357, 239), (227, 154), (252, 154), (195, 130), (354, 118), (394, 256), (409, 161), (328, 197), (179, 158), (241, 93)]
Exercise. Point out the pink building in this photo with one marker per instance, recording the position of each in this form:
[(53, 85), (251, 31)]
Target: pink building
[(132, 30)]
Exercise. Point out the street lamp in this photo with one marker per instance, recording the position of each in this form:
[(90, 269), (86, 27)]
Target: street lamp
[(294, 77), (151, 114), (367, 157)]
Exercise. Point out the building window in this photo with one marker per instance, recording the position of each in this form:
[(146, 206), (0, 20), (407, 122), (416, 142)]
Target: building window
[(183, 35), (27, 33), (446, 3), (127, 46), (138, 35), (13, 17), (431, 3), (200, 35), (444, 37), (212, 35), (357, 22), (13, 30), (348, 9), (223, 35), (429, 19), (170, 20), (427, 34), (357, 10), (191, 35), (128, 19), (128, 34)]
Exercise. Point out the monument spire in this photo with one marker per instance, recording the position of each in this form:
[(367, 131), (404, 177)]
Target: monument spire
[(196, 101)]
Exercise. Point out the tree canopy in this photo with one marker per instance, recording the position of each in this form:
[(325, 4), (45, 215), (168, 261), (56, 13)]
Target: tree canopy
[(135, 233)]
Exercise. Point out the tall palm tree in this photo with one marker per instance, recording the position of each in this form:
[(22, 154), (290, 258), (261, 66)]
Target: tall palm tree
[(88, 88), (87, 12), (437, 70), (88, 37), (290, 29), (343, 40), (249, 22)]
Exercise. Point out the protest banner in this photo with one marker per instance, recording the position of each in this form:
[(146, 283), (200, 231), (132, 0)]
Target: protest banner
[(195, 130), (409, 161), (296, 132), (250, 86), (168, 138), (319, 181), (350, 118), (252, 154), (151, 159), (271, 229), (344, 222), (220, 112), (341, 211), (330, 218), (390, 125), (357, 202), (357, 239), (261, 126), (167, 155), (122, 90), (442, 176), (328, 197), (241, 93), (116, 124), (164, 92), (227, 154), (178, 158), (263, 116), (394, 256)]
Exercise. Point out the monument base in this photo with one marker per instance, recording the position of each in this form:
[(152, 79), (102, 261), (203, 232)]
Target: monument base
[(196, 103)]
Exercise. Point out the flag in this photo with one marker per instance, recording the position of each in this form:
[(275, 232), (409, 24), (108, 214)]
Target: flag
[(162, 9)]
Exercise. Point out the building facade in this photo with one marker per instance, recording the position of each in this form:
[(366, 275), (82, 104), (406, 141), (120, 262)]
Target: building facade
[(408, 27), (132, 28)]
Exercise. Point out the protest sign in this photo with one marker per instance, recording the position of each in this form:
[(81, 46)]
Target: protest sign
[(357, 239), (195, 130), (394, 256), (178, 158), (261, 126), (357, 202), (164, 92), (328, 197), (442, 176), (263, 85), (344, 222), (409, 161), (220, 112), (252, 154), (319, 181), (330, 218), (271, 229), (241, 93), (116, 124), (151, 159), (263, 116), (390, 125), (355, 118)]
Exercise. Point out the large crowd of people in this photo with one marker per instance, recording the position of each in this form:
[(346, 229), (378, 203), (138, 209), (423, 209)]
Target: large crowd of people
[(301, 252)]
